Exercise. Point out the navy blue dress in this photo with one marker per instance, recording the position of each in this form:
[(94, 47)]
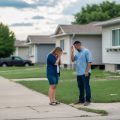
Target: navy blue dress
[(52, 74)]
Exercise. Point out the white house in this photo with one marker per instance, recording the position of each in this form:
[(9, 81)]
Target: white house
[(90, 35), (39, 47), (111, 44), (21, 49)]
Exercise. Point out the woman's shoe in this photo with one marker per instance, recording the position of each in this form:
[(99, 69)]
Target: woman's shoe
[(57, 102), (54, 103)]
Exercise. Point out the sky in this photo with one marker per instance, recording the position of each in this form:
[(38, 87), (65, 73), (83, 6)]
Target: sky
[(39, 17)]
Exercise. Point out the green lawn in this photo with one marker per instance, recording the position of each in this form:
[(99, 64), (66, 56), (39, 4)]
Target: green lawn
[(40, 71), (67, 92), (23, 72)]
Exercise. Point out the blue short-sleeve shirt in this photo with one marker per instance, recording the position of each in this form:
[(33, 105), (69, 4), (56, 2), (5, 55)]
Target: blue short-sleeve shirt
[(51, 67), (82, 59)]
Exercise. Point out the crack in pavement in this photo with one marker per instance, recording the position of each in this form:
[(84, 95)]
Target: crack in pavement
[(10, 107), (34, 109)]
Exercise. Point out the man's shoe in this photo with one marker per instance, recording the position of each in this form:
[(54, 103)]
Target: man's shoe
[(86, 103), (79, 102)]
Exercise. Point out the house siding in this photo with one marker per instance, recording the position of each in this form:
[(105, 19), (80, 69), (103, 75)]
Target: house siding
[(111, 57), (94, 44), (65, 59)]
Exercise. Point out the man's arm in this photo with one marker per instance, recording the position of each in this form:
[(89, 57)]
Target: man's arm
[(89, 60), (87, 69), (72, 54)]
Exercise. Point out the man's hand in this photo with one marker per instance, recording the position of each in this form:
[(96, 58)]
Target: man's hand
[(72, 49), (86, 73), (87, 70)]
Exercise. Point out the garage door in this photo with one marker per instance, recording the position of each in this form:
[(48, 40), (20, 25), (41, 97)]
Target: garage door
[(23, 52), (42, 52)]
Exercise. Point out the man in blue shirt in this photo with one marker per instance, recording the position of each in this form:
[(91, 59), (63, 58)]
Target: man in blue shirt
[(83, 59)]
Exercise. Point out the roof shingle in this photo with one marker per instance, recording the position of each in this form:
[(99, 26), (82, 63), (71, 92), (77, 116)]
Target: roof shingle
[(19, 43), (40, 39), (82, 29)]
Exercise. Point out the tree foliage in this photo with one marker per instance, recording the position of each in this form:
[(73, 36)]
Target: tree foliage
[(7, 40), (97, 12)]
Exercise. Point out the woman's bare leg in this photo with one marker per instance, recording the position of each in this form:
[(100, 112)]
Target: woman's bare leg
[(54, 94), (51, 93)]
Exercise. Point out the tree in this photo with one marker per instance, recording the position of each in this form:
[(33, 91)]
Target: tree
[(97, 12), (7, 40)]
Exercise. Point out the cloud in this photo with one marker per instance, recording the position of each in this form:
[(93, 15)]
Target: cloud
[(38, 17), (20, 4), (14, 3), (21, 25)]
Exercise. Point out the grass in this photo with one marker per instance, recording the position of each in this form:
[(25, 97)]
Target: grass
[(40, 71), (67, 92), (23, 72), (101, 112)]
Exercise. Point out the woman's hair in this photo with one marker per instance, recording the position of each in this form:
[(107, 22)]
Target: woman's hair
[(56, 49)]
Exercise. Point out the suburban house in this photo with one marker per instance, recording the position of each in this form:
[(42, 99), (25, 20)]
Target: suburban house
[(21, 49), (111, 44), (89, 34), (39, 47)]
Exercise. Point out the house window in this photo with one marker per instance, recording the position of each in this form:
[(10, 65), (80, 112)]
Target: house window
[(118, 67), (30, 51), (62, 44), (116, 37)]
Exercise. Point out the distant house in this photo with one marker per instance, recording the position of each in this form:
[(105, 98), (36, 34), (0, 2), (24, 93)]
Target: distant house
[(90, 36), (39, 47), (21, 49), (111, 44)]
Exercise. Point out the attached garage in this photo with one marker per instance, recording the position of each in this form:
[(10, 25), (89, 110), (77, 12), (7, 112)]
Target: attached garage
[(42, 52), (21, 49), (39, 48)]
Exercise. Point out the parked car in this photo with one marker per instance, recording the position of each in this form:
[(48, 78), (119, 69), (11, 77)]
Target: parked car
[(15, 61)]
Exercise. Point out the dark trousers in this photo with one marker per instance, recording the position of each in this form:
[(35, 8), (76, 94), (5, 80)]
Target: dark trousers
[(84, 88)]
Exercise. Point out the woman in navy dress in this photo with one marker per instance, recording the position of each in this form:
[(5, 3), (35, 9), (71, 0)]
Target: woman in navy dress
[(53, 73)]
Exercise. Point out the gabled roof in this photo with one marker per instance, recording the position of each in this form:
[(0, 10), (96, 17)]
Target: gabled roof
[(19, 43), (40, 39), (87, 29), (109, 22)]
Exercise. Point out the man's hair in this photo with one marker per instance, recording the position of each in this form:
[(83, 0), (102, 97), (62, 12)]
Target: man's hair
[(77, 42)]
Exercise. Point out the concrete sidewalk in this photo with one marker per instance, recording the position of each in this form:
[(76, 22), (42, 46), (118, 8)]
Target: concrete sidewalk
[(29, 79), (20, 103)]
